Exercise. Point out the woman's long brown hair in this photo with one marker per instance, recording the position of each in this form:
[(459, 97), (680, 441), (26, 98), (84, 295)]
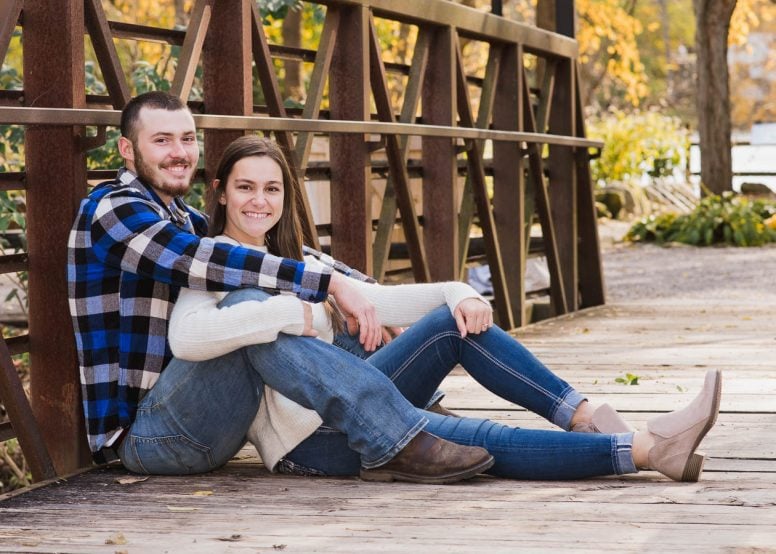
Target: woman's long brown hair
[(285, 238)]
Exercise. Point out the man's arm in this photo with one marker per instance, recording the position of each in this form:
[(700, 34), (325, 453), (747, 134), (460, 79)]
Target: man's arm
[(128, 233)]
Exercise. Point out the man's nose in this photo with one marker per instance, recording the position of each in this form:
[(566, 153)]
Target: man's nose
[(178, 150)]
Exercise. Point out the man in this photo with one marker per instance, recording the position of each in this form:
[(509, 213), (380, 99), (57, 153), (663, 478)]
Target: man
[(135, 242)]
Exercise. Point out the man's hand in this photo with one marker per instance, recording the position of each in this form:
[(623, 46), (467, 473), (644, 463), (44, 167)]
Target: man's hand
[(358, 311), (473, 316)]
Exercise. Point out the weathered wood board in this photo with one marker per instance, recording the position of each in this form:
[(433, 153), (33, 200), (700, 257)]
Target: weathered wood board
[(669, 345)]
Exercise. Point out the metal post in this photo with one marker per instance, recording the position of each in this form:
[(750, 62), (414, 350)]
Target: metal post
[(227, 45), (56, 181), (509, 179), (440, 174), (350, 197), (565, 18)]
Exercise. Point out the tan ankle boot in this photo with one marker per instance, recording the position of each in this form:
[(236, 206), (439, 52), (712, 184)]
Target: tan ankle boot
[(678, 434), (430, 460), (605, 420)]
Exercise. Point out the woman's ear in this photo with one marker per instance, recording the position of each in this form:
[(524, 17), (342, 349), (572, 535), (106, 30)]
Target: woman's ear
[(222, 196)]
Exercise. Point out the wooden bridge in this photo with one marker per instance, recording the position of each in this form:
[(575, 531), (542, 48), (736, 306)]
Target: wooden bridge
[(668, 341)]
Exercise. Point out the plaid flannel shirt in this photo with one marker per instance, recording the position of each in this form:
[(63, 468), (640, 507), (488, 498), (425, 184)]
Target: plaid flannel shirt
[(128, 256)]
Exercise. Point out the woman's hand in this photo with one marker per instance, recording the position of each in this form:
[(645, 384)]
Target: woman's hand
[(358, 311), (309, 330), (473, 316)]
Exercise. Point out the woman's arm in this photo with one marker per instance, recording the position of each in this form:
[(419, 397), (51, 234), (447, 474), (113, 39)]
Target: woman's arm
[(403, 305), (199, 330)]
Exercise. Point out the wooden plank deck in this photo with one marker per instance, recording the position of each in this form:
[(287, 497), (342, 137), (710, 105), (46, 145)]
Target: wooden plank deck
[(669, 343)]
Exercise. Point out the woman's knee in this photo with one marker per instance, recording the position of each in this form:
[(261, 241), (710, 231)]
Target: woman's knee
[(441, 319)]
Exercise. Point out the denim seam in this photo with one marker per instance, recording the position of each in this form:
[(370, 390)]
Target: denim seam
[(407, 362), (622, 453), (558, 401)]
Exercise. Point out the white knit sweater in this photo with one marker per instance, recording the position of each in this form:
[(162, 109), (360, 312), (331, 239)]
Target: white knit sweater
[(199, 331)]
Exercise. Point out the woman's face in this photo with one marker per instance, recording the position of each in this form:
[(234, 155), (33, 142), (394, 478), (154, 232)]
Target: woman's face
[(253, 198)]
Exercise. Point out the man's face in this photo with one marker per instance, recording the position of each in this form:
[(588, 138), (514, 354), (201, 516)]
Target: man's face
[(165, 152)]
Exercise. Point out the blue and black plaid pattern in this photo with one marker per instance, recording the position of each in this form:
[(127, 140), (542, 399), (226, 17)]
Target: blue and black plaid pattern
[(128, 256)]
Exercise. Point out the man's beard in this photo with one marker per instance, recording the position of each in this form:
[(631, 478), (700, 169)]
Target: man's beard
[(145, 173)]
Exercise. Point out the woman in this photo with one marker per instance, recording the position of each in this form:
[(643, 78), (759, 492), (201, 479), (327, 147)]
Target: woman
[(253, 202)]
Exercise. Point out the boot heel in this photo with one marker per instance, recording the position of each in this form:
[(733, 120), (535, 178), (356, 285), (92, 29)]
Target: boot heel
[(694, 467)]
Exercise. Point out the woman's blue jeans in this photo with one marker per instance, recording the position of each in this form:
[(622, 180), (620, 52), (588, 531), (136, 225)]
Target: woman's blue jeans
[(417, 361)]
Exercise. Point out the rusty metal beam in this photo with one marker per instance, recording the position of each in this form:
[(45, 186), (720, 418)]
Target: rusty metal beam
[(487, 95), (11, 263), (227, 44), (50, 38), (274, 100), (508, 180), (9, 17), (53, 116), (107, 57), (384, 231), (470, 23), (542, 199), (22, 419), (133, 31), (312, 105), (591, 275), (563, 180), (396, 159), (191, 49), (350, 175), (440, 177), (476, 176)]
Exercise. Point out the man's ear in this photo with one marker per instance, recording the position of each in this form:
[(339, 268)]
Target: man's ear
[(126, 149)]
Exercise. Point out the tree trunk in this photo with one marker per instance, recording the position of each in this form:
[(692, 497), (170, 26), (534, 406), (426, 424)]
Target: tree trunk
[(712, 19)]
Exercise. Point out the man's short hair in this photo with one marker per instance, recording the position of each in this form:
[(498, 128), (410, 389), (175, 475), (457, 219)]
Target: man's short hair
[(155, 100)]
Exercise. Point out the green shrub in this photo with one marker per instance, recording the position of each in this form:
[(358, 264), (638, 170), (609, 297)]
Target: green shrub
[(644, 143), (728, 219)]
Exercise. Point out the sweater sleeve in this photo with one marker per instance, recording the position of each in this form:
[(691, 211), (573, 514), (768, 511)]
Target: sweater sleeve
[(199, 330), (403, 305)]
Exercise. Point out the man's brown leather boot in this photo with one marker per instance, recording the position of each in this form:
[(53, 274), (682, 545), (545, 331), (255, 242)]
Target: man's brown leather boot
[(432, 461)]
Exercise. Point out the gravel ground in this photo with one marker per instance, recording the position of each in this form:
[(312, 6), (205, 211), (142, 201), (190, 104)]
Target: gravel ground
[(713, 275)]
